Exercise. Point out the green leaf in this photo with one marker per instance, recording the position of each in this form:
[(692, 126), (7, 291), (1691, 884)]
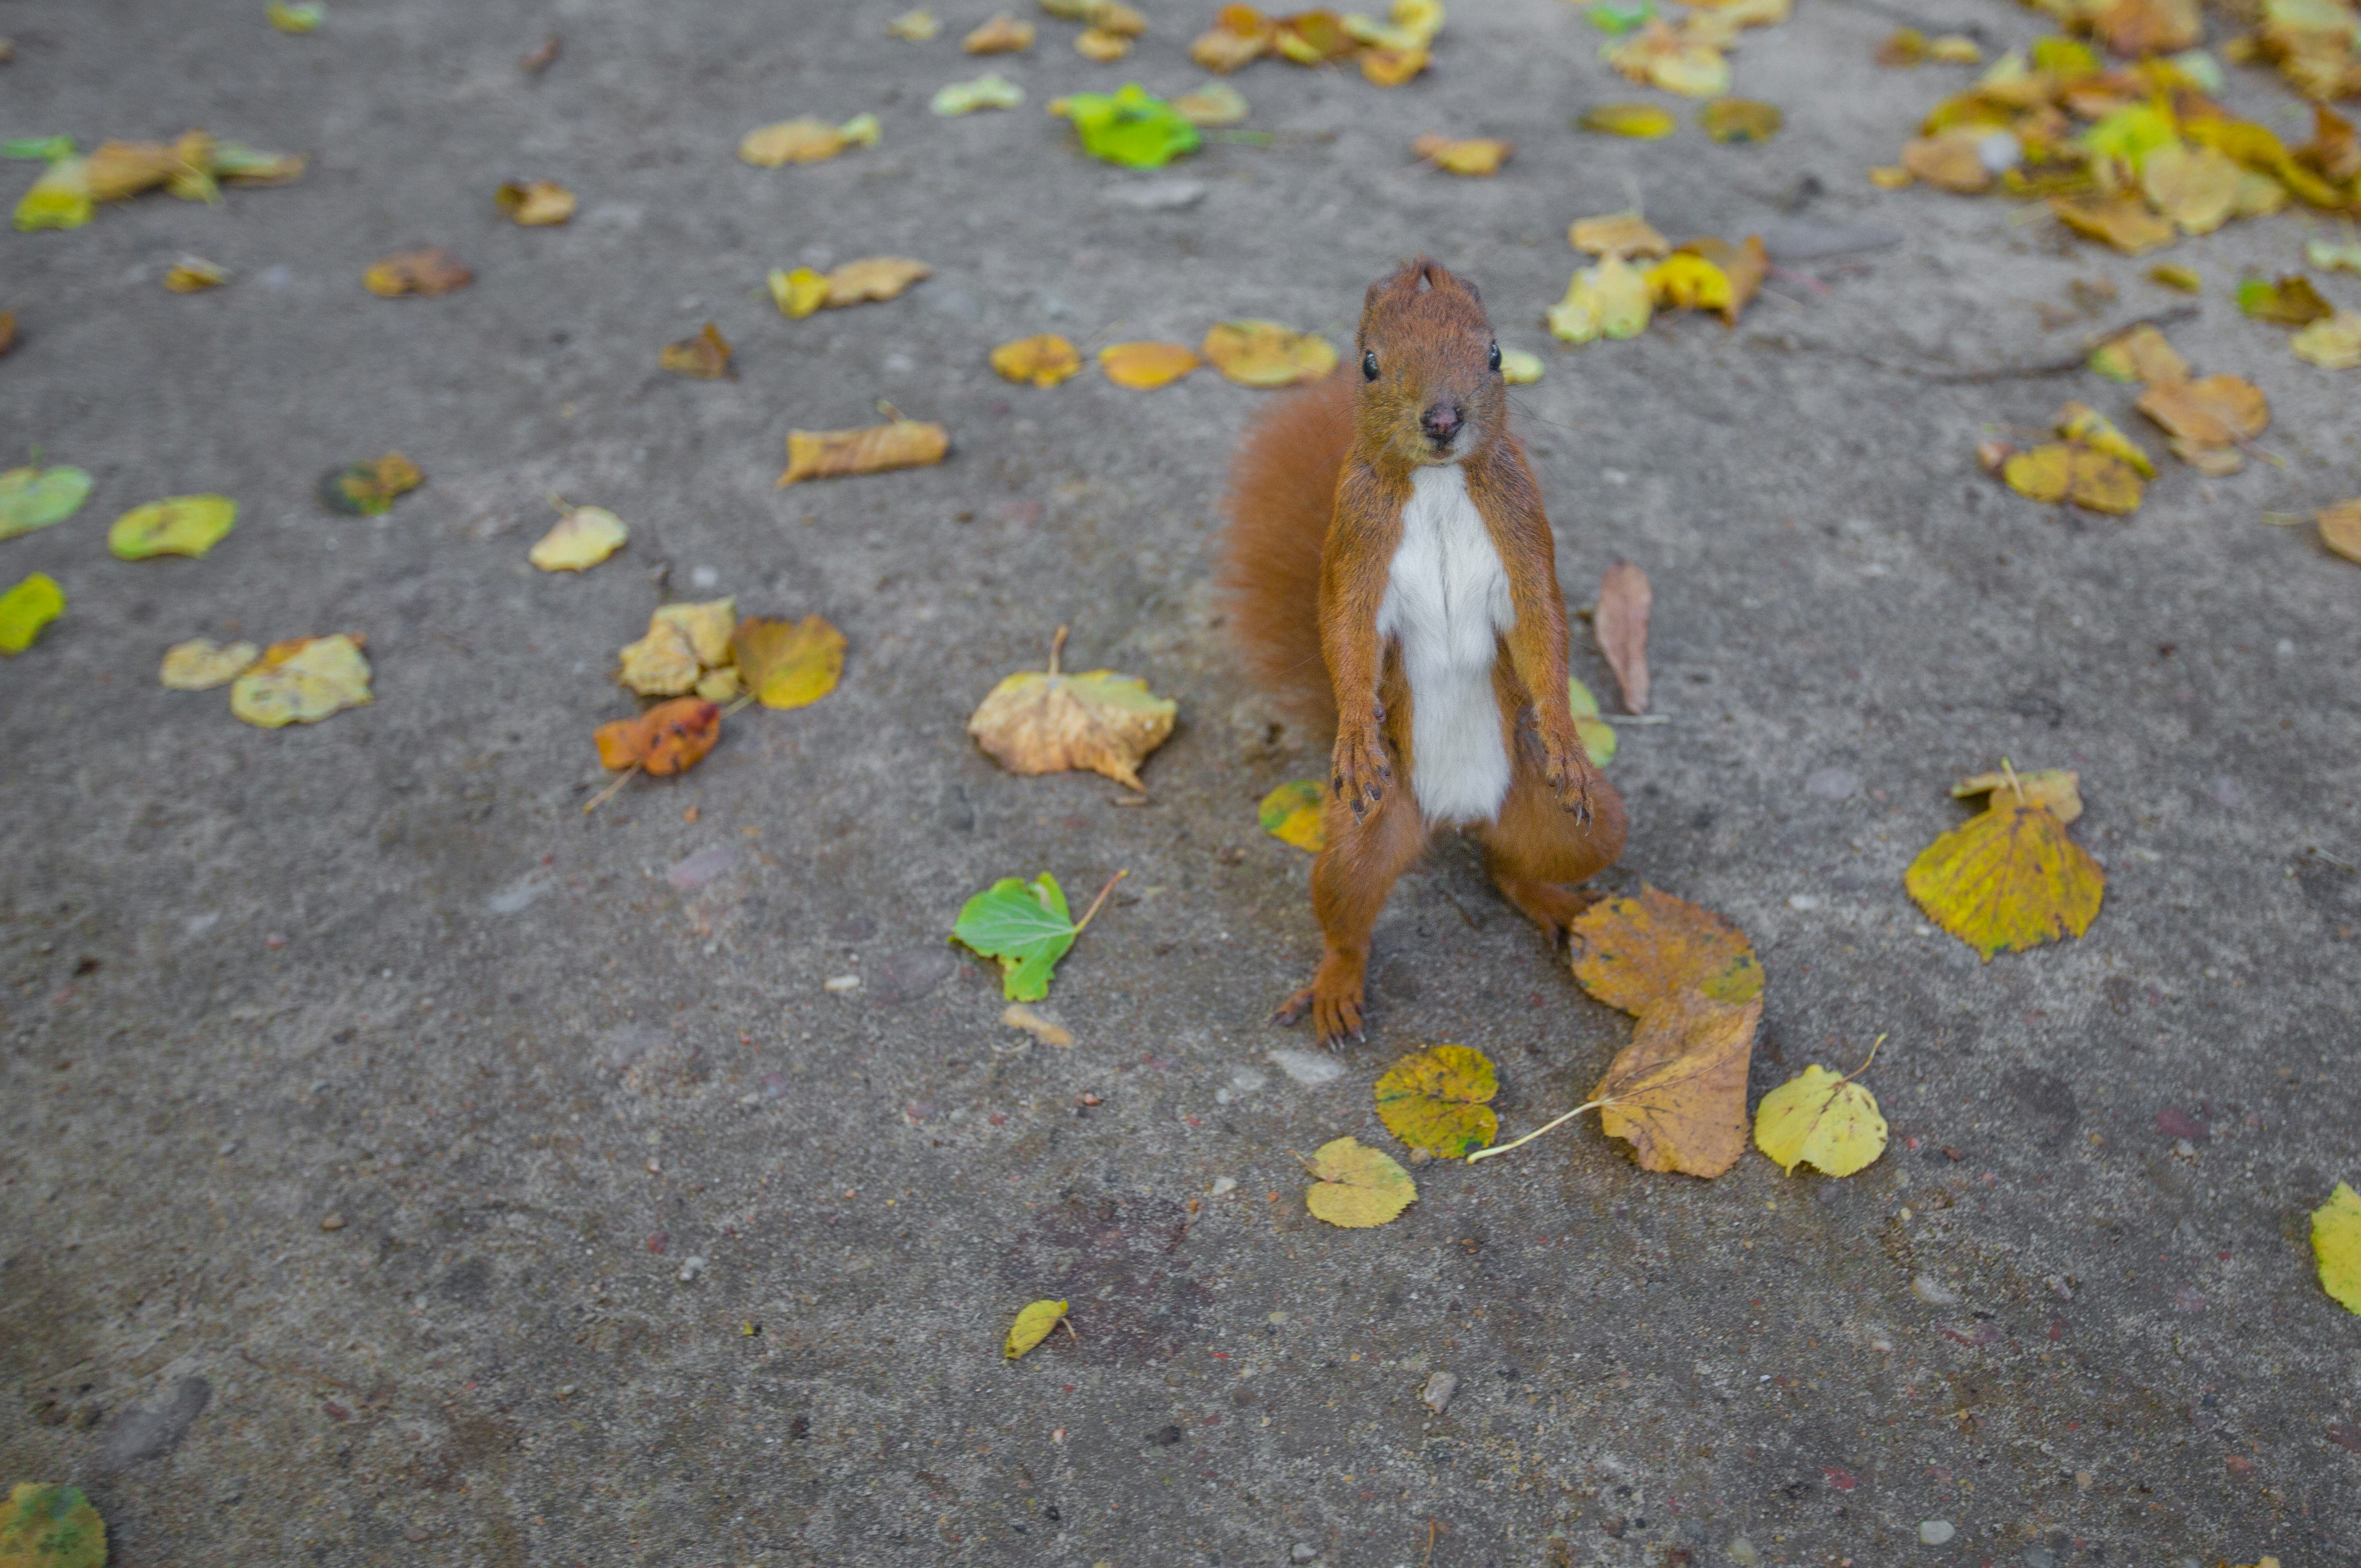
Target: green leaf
[(1615, 18), (1024, 926), (1598, 740), (178, 525), (26, 609), (30, 499), (48, 149), (1130, 129)]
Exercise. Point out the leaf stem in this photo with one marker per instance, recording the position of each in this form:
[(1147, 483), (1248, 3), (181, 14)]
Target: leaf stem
[(1537, 1132), (2009, 772), (1101, 898), (604, 795), (1057, 648), (1865, 1061)]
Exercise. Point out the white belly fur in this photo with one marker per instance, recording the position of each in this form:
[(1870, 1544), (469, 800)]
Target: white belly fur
[(1446, 604)]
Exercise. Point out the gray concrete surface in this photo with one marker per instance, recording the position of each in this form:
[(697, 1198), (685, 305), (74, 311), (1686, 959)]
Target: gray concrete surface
[(383, 969)]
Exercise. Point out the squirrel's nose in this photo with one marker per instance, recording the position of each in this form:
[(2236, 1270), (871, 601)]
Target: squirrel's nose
[(1441, 422)]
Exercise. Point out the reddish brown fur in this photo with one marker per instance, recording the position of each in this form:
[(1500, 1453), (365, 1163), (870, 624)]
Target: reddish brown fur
[(1315, 503)]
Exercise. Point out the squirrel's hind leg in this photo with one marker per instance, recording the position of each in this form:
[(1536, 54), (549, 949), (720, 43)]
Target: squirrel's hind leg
[(1536, 845), (1350, 885)]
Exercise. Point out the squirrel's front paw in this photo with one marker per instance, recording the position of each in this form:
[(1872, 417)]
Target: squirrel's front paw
[(1361, 771), (1568, 769)]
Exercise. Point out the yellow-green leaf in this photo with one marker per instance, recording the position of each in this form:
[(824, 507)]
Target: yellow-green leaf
[(51, 1526), (1641, 122), (1032, 1326), (2007, 880), (200, 663), (1437, 1101), (178, 525), (1356, 1186), (1037, 722), (59, 199), (1520, 369), (1598, 741), (302, 682), (30, 499), (1291, 813), (580, 540), (26, 609), (788, 663), (1741, 119), (1610, 299), (1266, 353), (2337, 1245), (1831, 1121)]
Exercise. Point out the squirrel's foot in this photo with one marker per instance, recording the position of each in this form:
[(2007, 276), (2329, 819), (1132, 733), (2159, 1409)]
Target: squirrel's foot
[(1334, 1000)]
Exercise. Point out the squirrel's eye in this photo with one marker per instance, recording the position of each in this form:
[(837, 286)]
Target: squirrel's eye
[(1369, 365), (1494, 363)]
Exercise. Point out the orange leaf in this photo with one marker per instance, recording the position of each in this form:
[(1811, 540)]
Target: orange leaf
[(1144, 367), (670, 738)]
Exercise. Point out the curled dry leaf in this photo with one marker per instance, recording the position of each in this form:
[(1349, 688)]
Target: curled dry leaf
[(1043, 360), (2337, 1246), (1387, 66), (1622, 624), (2197, 188), (2179, 279), (2142, 356), (200, 663), (1294, 814), (369, 489), (670, 738), (1032, 1326), (1818, 1117), (806, 140), (1239, 36), (1623, 234), (871, 449), (2078, 421), (1042, 1027), (2205, 419), (1004, 34), (1144, 367), (1266, 354), (2009, 879), (535, 205), (705, 357), (1641, 122), (26, 609), (1356, 1186), (433, 270), (1478, 156), (580, 540), (302, 681), (2059, 790), (177, 525), (1037, 722), (1439, 1100), (788, 663), (2290, 302)]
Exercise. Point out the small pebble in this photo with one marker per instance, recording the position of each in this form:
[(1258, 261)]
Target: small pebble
[(1927, 1289), (841, 983), (1223, 1185), (1742, 1552), (229, 1148), (2040, 1557), (774, 1086), (1439, 1389), (1934, 1532), (655, 1166), (332, 1223), (1302, 1552), (690, 1267), (414, 1533)]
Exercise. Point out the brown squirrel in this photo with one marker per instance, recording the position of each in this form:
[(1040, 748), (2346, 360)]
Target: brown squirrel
[(1388, 565)]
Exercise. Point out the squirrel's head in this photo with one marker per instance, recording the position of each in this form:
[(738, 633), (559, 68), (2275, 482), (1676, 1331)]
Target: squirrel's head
[(1431, 387)]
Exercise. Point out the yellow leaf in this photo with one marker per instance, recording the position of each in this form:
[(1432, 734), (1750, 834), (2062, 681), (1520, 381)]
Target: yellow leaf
[(535, 206), (1688, 283), (1890, 176), (707, 627), (2057, 789), (200, 663), (2340, 528), (1048, 1030), (1032, 1326), (718, 687), (1356, 1186), (1741, 119), (917, 27), (26, 609), (1632, 953), (1476, 155), (296, 18), (2197, 188), (180, 525), (427, 272), (872, 449), (2123, 221), (1214, 104), (682, 642), (2174, 276), (2337, 1245), (1144, 367), (1674, 62), (806, 140), (1519, 368), (51, 1526), (2078, 421), (1610, 299), (60, 198), (2209, 412), (580, 540), (2142, 356), (1291, 813), (1598, 740), (798, 293), (1831, 1121), (1436, 1101), (788, 663), (302, 682), (873, 277), (1037, 722), (1641, 122), (194, 274), (1677, 1093), (1618, 234), (991, 91), (705, 357), (2332, 344), (1101, 45), (1040, 361), (1387, 65), (2007, 880), (1265, 353), (1951, 161), (1004, 34)]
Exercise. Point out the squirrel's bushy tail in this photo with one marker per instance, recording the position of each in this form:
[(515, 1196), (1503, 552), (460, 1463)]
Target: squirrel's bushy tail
[(1282, 491)]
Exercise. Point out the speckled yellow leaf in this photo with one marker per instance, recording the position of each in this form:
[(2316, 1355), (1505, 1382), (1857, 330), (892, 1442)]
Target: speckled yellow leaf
[(1049, 722), (1032, 1326), (1618, 234), (178, 525), (1470, 155), (302, 682), (2007, 880), (872, 449), (200, 663), (1356, 1186), (51, 1526), (2337, 1246), (1821, 1118), (788, 663), (1042, 360), (580, 540), (1266, 354), (1438, 1099), (1291, 813), (1144, 367), (1633, 952)]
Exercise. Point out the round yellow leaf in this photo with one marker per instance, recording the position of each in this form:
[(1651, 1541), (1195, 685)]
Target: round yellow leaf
[(1829, 1121), (1032, 1326), (1356, 1186), (1291, 813), (2009, 879), (1144, 367), (798, 293), (788, 663), (1265, 353), (1641, 122), (2337, 1245), (178, 525), (1041, 361), (1436, 1101), (580, 539)]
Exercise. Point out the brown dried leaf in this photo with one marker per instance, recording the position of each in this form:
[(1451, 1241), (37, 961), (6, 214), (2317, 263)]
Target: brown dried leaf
[(1678, 1091), (705, 357), (1037, 723), (670, 738), (433, 270), (1004, 34), (1953, 160), (2123, 221), (535, 205), (2214, 410), (872, 449), (1622, 624)]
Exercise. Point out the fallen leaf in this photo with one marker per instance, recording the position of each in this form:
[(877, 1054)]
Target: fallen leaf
[(1386, 66), (798, 293), (240, 165), (806, 140), (1043, 360), (2213, 414), (705, 357), (1102, 46), (1641, 122), (2340, 528), (1615, 18), (1674, 61), (2135, 27), (2142, 356), (917, 27), (1741, 119), (1632, 953), (993, 92), (1312, 37), (788, 663), (1744, 265), (178, 525), (1356, 1186), (1032, 1326), (302, 681), (1026, 926), (1952, 160), (2331, 256), (2290, 302), (2337, 1246), (1890, 176), (31, 605), (1519, 368), (300, 18), (1476, 155), (34, 497), (871, 449), (51, 1526), (200, 663), (2078, 421), (1618, 234), (580, 540), (59, 199), (2197, 188), (719, 685), (1293, 814), (427, 272), (7, 331), (1144, 367), (2123, 221), (194, 274), (670, 738), (1954, 49), (1240, 36), (367, 489), (2062, 471), (1437, 1099), (1598, 739), (1266, 354), (1688, 283), (2056, 790), (1677, 1093), (873, 278), (1622, 625), (536, 204), (1004, 34), (2007, 880), (683, 641), (1129, 127), (1037, 722), (1050, 1032), (1610, 299), (2332, 344), (1214, 104), (2182, 279), (1817, 1116)]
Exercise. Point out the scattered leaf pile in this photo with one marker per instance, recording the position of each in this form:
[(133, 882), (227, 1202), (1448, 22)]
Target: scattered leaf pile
[(1388, 53), (194, 167), (1616, 298), (2010, 877)]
